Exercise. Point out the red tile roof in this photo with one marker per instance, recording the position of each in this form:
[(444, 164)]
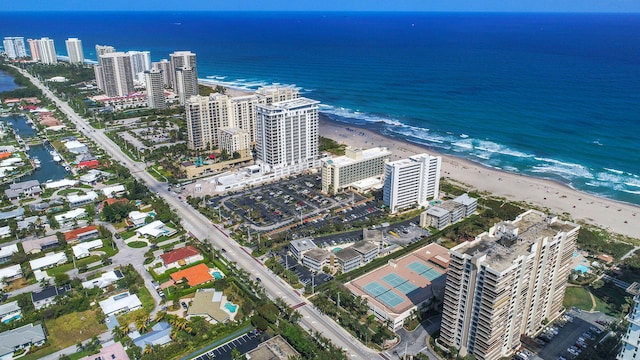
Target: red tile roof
[(73, 234), (195, 275), (179, 254), (111, 201)]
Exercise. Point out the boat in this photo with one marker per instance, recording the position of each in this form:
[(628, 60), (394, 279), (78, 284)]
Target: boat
[(57, 158), (464, 136), (36, 162), (67, 168)]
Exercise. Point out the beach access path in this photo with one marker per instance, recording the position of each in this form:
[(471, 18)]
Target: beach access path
[(621, 218)]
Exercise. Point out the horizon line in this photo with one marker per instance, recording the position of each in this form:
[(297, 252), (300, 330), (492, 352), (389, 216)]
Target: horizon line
[(323, 11)]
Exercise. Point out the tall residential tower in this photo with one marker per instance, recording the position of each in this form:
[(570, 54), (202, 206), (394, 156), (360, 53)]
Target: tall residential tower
[(411, 182), (74, 50), (155, 89), (14, 47), (115, 72), (506, 283)]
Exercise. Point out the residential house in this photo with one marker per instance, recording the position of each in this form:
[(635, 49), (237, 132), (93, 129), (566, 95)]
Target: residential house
[(156, 229), (137, 218), (195, 275), (207, 304), (114, 351), (110, 191), (47, 296), (6, 252), (83, 249), (40, 244), (67, 218), (121, 303), (49, 260), (76, 147), (13, 214), (160, 334), (60, 184), (81, 234), (181, 257), (21, 338), (10, 311), (82, 200), (9, 274), (23, 189), (106, 279), (5, 231)]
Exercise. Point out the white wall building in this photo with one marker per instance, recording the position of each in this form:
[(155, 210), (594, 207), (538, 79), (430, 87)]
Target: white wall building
[(47, 51), (121, 303), (114, 71), (340, 172), (181, 59), (411, 182), (49, 260), (83, 250), (287, 133), (74, 50), (155, 89), (14, 47), (631, 339)]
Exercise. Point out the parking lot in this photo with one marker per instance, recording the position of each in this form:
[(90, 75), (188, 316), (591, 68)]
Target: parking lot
[(304, 274), (244, 343), (583, 326)]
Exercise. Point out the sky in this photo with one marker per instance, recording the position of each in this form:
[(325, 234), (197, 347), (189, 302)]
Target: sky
[(625, 6)]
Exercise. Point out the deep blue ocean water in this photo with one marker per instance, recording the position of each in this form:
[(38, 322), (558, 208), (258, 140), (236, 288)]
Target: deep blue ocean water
[(555, 96)]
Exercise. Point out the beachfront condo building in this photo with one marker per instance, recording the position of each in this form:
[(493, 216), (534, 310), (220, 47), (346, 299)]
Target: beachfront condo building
[(47, 51), (74, 51), (155, 89), (186, 83), (33, 49), (104, 49), (361, 169), (506, 283), (207, 115), (234, 140), (140, 62), (631, 339), (113, 74), (287, 134), (412, 182), (14, 47), (165, 66), (183, 59)]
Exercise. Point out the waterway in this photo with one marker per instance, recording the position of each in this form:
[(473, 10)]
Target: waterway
[(19, 125), (49, 169), (6, 82)]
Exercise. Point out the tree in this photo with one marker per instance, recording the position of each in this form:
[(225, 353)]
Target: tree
[(236, 355), (61, 279)]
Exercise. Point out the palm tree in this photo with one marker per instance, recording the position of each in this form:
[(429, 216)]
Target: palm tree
[(80, 346), (148, 349)]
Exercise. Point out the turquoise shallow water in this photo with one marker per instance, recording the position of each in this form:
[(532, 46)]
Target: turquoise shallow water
[(554, 96)]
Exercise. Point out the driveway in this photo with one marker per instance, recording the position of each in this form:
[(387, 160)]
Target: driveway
[(414, 342)]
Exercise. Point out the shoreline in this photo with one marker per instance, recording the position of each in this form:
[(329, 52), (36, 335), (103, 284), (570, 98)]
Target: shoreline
[(558, 198)]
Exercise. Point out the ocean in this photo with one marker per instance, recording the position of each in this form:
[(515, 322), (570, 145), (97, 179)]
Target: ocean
[(555, 96)]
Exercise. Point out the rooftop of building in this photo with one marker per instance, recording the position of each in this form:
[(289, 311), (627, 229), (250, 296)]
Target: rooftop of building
[(208, 302), (195, 275), (179, 254), (275, 348), (317, 254), (450, 205), (346, 254), (508, 240), (303, 244), (361, 155), (364, 246), (290, 104), (405, 282), (465, 199), (437, 211)]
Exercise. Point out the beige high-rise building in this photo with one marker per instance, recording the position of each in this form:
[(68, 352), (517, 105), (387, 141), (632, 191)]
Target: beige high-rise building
[(341, 172), (33, 48), (155, 89), (104, 49), (74, 51), (506, 283), (234, 140), (165, 66), (206, 116)]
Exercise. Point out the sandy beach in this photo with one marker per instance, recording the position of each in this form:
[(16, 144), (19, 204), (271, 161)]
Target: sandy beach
[(558, 198)]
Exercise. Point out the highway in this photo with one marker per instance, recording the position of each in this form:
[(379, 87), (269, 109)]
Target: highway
[(202, 228)]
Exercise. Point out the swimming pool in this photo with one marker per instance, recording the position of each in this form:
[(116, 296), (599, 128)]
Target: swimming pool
[(575, 254), (335, 250), (232, 308), (152, 214), (581, 268), (217, 275)]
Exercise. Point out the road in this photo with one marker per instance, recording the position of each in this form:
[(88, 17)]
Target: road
[(203, 229)]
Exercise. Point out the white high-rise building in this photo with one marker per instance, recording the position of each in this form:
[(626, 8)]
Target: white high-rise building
[(631, 339), (115, 69), (287, 133), (140, 62), (104, 49), (47, 51), (14, 47), (165, 66), (181, 59), (186, 84), (155, 89), (74, 50), (411, 182), (506, 283)]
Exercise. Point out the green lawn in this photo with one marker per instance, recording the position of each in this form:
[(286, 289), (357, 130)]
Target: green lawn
[(70, 329), (577, 296), (108, 248), (68, 266), (137, 244)]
